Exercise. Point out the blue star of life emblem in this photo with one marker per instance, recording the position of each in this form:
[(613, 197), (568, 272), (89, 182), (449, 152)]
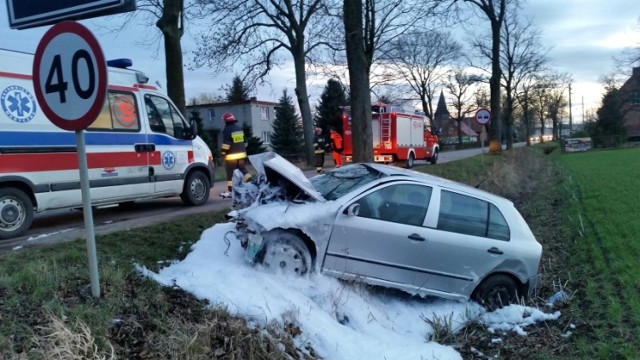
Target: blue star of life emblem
[(168, 160), (18, 104)]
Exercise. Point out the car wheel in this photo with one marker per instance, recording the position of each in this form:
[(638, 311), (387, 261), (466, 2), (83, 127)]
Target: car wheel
[(285, 252), (496, 291), (196, 189), (410, 161), (16, 212), (434, 157)]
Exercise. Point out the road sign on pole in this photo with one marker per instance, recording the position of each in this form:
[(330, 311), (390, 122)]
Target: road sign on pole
[(25, 14), (483, 116), (70, 83), (70, 76)]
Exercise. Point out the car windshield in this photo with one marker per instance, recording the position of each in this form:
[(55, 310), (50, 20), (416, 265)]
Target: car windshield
[(336, 183)]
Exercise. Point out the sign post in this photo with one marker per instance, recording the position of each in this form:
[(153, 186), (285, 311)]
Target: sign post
[(483, 118), (70, 83)]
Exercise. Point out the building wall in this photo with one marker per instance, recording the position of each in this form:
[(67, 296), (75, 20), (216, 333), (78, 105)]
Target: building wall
[(258, 114)]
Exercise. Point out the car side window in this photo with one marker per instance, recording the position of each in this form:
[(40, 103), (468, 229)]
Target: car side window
[(163, 117), (401, 203), (119, 113), (470, 216)]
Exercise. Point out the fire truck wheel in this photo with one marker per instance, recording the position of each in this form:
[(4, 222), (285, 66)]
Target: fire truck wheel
[(196, 189), (410, 161), (434, 158), (16, 212)]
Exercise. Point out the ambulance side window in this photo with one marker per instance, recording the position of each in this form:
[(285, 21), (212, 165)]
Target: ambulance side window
[(119, 113), (163, 117)]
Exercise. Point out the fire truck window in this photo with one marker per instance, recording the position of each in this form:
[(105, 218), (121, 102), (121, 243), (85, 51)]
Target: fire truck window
[(119, 113)]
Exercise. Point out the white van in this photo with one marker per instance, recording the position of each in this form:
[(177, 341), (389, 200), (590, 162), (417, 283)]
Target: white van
[(140, 147)]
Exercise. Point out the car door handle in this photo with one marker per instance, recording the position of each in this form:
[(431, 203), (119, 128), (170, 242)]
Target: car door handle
[(495, 250), (416, 237)]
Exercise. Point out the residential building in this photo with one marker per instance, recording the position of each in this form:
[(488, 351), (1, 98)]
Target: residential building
[(631, 91), (257, 113)]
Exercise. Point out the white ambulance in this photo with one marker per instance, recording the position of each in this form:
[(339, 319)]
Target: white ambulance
[(140, 147)]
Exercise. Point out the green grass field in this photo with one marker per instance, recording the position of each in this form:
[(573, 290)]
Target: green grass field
[(603, 214)]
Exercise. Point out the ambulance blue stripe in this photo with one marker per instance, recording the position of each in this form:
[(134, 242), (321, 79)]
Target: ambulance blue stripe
[(24, 138)]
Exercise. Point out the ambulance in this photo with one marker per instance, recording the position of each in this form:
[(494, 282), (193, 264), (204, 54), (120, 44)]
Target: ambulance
[(139, 147)]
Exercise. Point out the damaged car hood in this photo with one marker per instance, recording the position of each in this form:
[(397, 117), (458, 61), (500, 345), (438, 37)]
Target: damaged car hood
[(275, 169)]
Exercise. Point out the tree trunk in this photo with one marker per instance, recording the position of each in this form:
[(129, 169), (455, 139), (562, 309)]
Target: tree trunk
[(303, 103), (494, 128), (361, 131), (171, 25)]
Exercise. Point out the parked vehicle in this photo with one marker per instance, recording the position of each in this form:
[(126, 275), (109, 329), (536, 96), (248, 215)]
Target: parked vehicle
[(400, 136), (139, 147), (387, 226)]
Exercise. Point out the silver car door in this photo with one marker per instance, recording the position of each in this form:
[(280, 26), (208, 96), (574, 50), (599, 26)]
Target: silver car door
[(471, 238), (386, 240)]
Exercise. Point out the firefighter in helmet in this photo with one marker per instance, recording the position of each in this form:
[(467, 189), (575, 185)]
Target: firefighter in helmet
[(233, 149)]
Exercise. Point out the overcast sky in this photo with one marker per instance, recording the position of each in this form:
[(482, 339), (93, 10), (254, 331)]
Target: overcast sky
[(584, 36)]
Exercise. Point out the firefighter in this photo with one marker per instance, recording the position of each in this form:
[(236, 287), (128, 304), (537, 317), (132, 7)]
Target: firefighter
[(233, 149), (319, 144), (336, 147)]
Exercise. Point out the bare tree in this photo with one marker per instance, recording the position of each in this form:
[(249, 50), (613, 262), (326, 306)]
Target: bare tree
[(169, 17), (459, 85), (254, 34), (421, 59), (548, 100), (495, 11), (369, 32)]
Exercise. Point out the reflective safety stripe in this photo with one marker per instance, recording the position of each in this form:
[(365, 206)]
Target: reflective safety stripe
[(237, 156), (229, 183), (225, 146), (319, 151)]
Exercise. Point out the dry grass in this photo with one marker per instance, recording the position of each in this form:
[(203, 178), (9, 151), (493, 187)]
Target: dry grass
[(60, 340)]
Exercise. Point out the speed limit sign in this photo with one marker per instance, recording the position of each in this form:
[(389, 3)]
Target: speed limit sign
[(70, 76)]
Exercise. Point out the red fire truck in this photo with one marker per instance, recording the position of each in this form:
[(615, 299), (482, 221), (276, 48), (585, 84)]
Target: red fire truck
[(400, 136)]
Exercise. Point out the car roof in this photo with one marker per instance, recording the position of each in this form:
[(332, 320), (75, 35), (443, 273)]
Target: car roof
[(394, 173)]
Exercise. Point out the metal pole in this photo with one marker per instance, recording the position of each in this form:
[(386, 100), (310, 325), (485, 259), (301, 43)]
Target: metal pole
[(570, 118), (88, 214)]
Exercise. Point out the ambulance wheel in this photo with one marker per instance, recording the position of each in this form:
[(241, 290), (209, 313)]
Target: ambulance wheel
[(196, 189), (410, 161), (16, 212)]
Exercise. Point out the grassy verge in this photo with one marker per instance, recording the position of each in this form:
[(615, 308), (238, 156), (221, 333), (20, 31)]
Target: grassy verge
[(603, 213), (48, 311)]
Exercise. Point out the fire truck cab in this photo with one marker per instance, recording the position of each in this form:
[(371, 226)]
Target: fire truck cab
[(139, 147), (400, 136)]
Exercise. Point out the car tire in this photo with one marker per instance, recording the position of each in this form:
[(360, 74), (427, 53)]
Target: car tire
[(16, 212), (196, 189), (496, 291), (285, 252), (434, 157), (411, 161)]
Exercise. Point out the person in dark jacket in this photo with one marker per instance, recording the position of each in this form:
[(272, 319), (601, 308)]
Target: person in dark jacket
[(233, 149), (319, 144)]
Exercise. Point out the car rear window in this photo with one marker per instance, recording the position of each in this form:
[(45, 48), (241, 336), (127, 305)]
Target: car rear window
[(468, 215)]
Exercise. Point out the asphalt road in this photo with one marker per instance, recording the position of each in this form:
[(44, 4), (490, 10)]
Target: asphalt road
[(66, 225)]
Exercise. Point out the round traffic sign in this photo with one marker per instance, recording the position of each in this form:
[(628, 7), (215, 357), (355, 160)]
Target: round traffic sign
[(70, 76), (483, 116)]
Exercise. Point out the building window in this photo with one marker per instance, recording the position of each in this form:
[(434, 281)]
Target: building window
[(212, 115), (264, 113), (634, 98), (266, 137)]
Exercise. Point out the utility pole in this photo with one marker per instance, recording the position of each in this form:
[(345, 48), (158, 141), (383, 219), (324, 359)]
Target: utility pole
[(570, 119)]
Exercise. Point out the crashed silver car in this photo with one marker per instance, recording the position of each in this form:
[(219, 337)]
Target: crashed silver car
[(387, 226)]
